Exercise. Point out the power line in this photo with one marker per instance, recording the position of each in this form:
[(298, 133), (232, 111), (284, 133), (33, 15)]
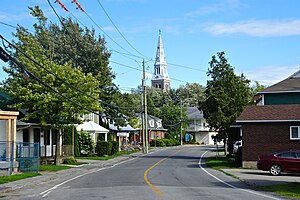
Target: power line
[(46, 85), (80, 8), (111, 49), (118, 29), (62, 80)]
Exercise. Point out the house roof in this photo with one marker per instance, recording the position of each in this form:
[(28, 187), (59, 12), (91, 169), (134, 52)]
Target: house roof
[(194, 113), (291, 84), (126, 128), (91, 127), (270, 113)]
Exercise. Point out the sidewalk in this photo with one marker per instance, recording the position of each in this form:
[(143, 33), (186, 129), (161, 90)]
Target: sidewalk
[(262, 178)]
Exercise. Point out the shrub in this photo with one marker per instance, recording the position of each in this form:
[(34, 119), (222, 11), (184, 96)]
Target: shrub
[(69, 161), (168, 142), (175, 142), (115, 147), (103, 148), (86, 144), (159, 143)]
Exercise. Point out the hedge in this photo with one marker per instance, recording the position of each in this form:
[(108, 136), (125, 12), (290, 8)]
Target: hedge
[(103, 148)]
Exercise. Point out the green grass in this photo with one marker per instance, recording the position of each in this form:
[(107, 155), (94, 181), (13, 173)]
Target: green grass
[(53, 168), (120, 153), (219, 163), (291, 190), (6, 179)]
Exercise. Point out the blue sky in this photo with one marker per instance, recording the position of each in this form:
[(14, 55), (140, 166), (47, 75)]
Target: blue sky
[(260, 38)]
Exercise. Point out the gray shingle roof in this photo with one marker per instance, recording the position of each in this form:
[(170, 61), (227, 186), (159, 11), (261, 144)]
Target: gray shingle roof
[(194, 113), (291, 84)]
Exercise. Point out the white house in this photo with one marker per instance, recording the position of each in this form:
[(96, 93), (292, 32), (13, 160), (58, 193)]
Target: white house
[(198, 127)]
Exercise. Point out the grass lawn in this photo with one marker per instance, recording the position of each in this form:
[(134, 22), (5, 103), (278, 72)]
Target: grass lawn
[(53, 168), (108, 157), (291, 190), (219, 163), (6, 179)]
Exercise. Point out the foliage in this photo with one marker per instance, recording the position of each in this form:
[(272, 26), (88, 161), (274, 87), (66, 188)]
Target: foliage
[(86, 144), (104, 148), (157, 143), (192, 94), (226, 94), (170, 115), (70, 161), (68, 139), (41, 102), (115, 147)]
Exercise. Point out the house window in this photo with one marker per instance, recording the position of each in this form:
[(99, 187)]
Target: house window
[(295, 132), (151, 123), (25, 137)]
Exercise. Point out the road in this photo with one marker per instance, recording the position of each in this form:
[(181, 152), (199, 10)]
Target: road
[(171, 173)]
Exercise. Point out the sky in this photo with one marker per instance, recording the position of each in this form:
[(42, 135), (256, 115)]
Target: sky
[(261, 39)]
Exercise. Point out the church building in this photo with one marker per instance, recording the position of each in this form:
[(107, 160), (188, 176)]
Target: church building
[(160, 79)]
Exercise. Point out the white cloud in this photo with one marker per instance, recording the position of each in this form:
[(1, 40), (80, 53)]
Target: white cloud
[(257, 28), (269, 75)]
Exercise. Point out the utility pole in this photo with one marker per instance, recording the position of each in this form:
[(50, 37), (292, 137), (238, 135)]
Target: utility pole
[(144, 114), (181, 122)]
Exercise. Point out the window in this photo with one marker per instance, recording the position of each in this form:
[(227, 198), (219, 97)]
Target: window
[(151, 123), (295, 132), (286, 155), (25, 137)]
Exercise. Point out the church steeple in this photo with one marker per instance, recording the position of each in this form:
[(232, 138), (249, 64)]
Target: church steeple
[(160, 78)]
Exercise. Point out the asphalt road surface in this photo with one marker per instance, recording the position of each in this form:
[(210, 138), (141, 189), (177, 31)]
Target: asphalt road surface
[(171, 173)]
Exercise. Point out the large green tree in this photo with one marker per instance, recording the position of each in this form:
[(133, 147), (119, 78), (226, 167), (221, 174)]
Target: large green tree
[(69, 43), (192, 94), (226, 95), (174, 118)]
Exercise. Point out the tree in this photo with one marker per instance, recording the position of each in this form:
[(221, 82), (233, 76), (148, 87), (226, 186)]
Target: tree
[(255, 89), (171, 117), (53, 104), (226, 95), (80, 48), (191, 93)]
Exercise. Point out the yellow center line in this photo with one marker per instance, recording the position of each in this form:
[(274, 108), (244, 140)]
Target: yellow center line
[(158, 192)]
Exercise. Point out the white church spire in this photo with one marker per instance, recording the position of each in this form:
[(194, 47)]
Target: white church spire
[(160, 78)]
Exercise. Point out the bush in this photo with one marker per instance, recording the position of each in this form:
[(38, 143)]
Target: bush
[(115, 147), (159, 143), (175, 142), (168, 142), (69, 161), (103, 148), (86, 144)]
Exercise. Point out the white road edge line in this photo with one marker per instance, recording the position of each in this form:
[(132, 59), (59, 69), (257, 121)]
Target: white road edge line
[(249, 191), (46, 192)]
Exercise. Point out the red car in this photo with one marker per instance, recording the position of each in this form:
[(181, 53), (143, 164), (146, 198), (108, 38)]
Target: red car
[(286, 161)]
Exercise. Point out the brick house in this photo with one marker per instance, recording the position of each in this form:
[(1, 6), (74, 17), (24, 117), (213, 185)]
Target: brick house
[(273, 124)]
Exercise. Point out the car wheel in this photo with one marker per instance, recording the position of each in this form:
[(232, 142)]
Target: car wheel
[(275, 170)]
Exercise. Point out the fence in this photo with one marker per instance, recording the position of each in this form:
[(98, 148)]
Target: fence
[(19, 156)]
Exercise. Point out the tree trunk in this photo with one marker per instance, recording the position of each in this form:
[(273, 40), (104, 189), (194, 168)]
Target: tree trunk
[(57, 151)]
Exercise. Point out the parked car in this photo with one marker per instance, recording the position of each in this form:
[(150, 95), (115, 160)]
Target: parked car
[(286, 161), (237, 145)]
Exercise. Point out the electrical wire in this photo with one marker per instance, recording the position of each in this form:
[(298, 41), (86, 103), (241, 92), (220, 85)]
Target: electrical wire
[(62, 80), (118, 29), (48, 86)]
